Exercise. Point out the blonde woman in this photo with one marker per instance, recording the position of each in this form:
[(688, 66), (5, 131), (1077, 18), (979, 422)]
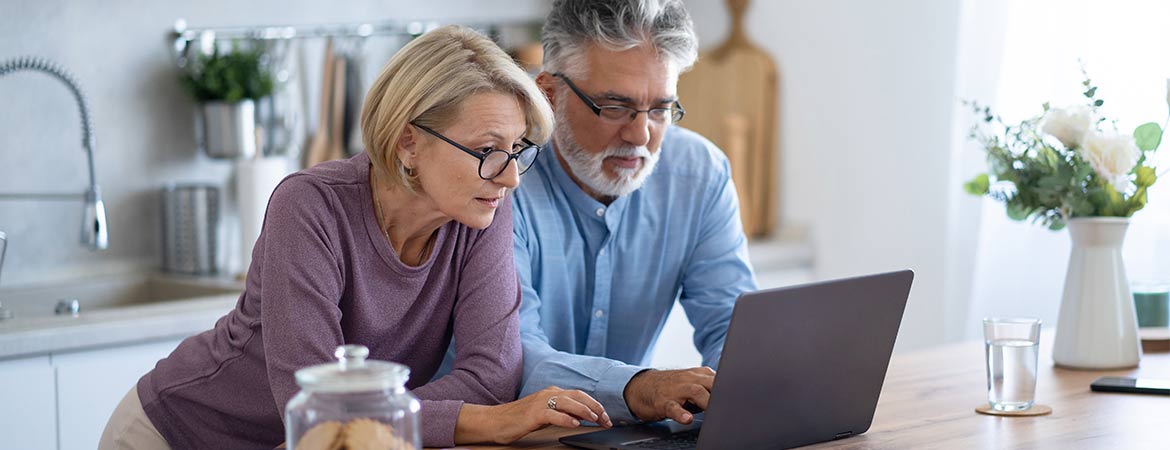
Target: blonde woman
[(401, 249)]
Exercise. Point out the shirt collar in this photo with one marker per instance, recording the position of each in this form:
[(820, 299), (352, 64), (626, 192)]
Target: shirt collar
[(578, 198)]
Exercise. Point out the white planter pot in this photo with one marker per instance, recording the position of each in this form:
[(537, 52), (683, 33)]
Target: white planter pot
[(1097, 328)]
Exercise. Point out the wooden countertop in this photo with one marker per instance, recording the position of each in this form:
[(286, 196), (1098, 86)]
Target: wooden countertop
[(929, 401)]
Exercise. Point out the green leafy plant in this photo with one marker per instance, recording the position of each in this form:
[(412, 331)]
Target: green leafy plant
[(228, 77), (1065, 163)]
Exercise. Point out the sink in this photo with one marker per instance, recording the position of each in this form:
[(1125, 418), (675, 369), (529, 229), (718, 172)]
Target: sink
[(115, 311), (108, 293)]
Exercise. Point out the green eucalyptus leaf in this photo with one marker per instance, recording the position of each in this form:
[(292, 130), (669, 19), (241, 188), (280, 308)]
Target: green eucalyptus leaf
[(1081, 207), (1137, 201), (1051, 182), (1110, 203), (1147, 136), (1017, 211), (1099, 198), (1145, 176), (979, 185)]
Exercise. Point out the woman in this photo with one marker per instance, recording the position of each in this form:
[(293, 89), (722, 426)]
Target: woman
[(400, 249)]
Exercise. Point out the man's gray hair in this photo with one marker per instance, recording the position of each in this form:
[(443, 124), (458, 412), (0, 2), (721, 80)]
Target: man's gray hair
[(618, 25)]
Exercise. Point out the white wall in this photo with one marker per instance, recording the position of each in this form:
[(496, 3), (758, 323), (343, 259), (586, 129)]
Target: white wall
[(867, 96), (143, 122)]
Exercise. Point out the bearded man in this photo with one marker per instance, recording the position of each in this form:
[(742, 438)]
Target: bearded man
[(623, 214)]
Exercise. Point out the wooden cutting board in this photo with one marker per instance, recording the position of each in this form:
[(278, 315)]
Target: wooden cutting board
[(731, 98)]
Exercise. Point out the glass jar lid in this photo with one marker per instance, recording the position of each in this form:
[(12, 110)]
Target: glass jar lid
[(353, 373)]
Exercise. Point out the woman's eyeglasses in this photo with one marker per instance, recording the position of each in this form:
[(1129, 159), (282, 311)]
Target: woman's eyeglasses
[(493, 161)]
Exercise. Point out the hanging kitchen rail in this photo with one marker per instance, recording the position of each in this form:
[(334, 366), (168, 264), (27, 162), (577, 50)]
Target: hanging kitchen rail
[(183, 38)]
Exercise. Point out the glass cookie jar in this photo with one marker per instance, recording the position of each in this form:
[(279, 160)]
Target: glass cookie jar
[(353, 404)]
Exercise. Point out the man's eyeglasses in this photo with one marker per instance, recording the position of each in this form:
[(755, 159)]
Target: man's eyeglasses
[(493, 161), (621, 115)]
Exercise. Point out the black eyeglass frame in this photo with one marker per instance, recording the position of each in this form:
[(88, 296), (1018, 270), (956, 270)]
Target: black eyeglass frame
[(482, 157), (675, 110)]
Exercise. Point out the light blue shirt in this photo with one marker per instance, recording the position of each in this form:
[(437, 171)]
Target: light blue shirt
[(598, 281)]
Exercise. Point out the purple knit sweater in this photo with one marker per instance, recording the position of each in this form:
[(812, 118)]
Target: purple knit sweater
[(323, 275)]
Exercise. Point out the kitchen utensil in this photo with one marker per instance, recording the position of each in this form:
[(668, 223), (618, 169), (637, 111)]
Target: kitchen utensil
[(190, 223), (318, 148), (337, 119), (354, 92)]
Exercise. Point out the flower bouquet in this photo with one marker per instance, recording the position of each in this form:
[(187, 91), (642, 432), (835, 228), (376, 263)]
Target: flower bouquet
[(1071, 166), (1067, 162)]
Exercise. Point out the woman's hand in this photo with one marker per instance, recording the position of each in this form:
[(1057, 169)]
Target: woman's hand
[(507, 423)]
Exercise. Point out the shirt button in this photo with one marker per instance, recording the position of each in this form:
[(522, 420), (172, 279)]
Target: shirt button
[(601, 253), (600, 212), (599, 313)]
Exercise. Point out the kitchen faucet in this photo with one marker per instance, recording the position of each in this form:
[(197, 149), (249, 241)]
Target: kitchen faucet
[(4, 313), (93, 225)]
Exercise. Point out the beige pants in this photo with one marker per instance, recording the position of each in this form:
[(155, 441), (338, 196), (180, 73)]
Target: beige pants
[(130, 429)]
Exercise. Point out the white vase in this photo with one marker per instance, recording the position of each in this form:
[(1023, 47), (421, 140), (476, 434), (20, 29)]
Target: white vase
[(1097, 328)]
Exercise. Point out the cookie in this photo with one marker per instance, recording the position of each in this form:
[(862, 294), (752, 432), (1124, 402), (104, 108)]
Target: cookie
[(323, 436), (369, 434)]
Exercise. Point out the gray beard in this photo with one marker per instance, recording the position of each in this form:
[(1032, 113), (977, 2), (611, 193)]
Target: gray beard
[(589, 167)]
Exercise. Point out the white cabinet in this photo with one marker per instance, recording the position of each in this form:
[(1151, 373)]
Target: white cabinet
[(91, 383), (28, 402)]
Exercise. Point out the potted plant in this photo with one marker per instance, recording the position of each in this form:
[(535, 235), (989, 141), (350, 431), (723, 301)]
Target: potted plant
[(226, 86), (1070, 166)]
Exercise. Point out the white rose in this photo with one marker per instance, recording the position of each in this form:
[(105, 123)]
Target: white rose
[(1112, 156), (1067, 124)]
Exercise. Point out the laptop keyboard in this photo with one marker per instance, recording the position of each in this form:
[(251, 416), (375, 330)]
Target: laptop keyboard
[(685, 440)]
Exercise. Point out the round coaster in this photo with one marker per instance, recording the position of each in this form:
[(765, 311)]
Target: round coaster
[(1035, 410)]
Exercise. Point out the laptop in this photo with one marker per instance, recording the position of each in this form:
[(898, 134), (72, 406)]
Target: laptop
[(800, 365)]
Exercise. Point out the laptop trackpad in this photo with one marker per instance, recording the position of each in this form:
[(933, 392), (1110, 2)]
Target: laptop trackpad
[(664, 429), (605, 439)]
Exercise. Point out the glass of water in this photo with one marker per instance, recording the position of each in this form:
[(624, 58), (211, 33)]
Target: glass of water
[(1012, 347)]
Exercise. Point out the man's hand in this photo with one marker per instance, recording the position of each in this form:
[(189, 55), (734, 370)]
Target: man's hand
[(660, 394)]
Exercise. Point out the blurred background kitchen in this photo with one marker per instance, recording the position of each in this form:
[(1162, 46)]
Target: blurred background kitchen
[(854, 147)]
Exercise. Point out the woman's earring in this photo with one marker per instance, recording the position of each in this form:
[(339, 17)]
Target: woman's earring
[(410, 172)]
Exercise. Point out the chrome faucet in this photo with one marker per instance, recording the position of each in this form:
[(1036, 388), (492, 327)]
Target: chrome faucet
[(93, 226), (4, 313)]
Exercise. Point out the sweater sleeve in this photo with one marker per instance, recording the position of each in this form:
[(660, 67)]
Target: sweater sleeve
[(487, 366), (301, 282)]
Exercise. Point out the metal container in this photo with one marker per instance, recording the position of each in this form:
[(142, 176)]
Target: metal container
[(227, 130), (190, 222)]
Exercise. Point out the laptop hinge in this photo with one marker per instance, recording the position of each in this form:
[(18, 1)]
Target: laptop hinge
[(842, 435)]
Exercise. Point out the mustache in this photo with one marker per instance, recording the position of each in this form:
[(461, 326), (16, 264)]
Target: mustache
[(627, 152)]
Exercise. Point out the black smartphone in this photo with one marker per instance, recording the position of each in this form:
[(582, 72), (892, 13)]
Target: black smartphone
[(1131, 385)]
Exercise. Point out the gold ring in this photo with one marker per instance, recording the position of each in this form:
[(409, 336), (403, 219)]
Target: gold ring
[(552, 402)]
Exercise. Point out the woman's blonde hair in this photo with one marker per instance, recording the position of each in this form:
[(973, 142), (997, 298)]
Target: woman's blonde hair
[(428, 80)]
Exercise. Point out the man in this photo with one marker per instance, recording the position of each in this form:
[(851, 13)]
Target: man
[(623, 214)]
